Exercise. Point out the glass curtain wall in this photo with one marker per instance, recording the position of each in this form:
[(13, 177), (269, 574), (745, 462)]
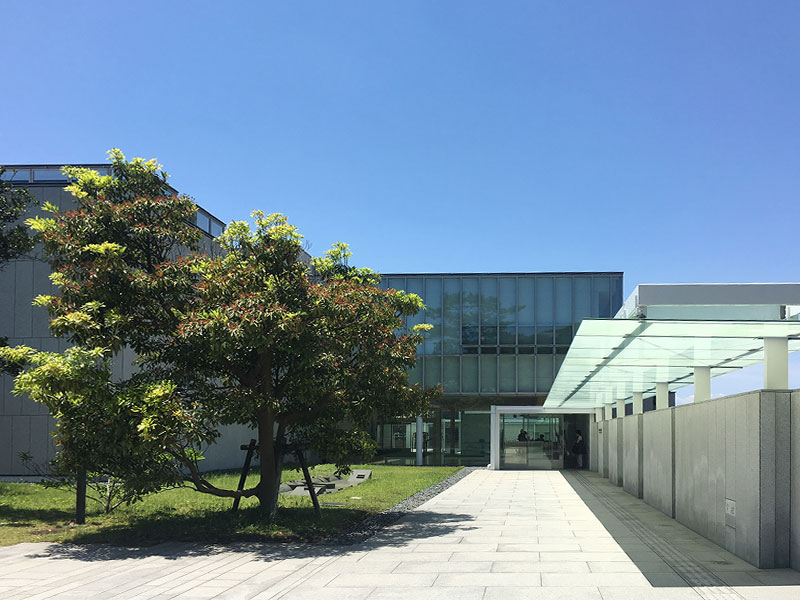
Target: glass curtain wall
[(496, 339)]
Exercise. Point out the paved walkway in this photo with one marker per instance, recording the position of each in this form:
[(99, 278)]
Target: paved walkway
[(492, 536)]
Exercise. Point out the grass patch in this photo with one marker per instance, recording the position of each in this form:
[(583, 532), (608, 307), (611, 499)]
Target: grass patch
[(29, 512)]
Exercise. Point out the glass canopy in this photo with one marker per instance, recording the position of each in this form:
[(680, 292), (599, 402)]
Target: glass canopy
[(609, 359)]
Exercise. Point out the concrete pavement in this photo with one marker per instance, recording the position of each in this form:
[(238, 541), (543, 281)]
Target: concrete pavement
[(495, 535)]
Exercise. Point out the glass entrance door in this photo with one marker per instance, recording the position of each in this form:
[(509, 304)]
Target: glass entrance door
[(531, 442)]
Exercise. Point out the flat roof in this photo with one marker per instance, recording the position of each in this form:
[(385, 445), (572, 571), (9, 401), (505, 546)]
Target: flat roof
[(507, 274)]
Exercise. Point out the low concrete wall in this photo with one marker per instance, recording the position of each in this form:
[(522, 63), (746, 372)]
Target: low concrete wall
[(632, 467), (593, 451), (615, 451), (658, 460)]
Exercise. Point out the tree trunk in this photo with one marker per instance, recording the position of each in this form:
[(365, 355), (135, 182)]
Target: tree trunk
[(271, 465)]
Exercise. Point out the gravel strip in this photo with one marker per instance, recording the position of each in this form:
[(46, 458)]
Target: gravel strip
[(371, 525)]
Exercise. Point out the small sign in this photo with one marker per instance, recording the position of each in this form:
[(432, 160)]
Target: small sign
[(730, 513)]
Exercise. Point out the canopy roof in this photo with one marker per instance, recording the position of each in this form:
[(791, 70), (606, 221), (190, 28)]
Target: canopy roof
[(609, 359)]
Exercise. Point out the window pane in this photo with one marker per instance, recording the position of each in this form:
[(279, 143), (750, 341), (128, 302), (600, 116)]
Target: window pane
[(202, 221), (18, 175), (469, 373), (525, 375), (451, 377), (508, 301), (544, 301), (433, 371), (397, 283), (433, 315), (583, 299), (527, 335), (488, 301), (508, 379), (563, 334), (216, 228), (616, 294), (563, 301), (525, 349), (48, 175), (489, 335), (508, 335), (525, 301), (544, 334), (559, 360), (415, 374), (469, 314), (414, 286), (469, 349), (488, 373), (451, 325), (488, 349), (544, 372), (508, 350), (601, 297)]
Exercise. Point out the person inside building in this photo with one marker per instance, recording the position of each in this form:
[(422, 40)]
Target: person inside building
[(579, 448)]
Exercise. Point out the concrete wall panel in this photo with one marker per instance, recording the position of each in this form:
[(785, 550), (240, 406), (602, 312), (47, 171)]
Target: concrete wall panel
[(632, 468), (658, 460), (593, 450), (794, 542)]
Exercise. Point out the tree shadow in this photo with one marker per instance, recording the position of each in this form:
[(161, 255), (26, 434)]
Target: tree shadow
[(415, 525)]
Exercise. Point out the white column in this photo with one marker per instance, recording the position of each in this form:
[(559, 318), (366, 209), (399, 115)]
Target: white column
[(662, 395), (638, 403), (607, 412), (598, 415), (620, 408), (702, 384), (419, 441), (776, 363)]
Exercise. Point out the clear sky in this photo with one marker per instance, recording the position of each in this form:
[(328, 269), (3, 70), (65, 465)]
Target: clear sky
[(661, 139)]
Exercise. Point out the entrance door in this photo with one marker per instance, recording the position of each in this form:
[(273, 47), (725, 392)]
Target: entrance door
[(531, 442)]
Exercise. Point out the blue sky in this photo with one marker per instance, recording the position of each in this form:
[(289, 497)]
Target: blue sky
[(659, 139)]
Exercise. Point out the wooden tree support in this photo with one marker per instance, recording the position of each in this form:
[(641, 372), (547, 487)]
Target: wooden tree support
[(311, 491), (80, 497), (245, 469)]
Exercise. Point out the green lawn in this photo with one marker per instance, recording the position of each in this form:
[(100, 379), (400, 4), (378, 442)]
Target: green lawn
[(32, 513)]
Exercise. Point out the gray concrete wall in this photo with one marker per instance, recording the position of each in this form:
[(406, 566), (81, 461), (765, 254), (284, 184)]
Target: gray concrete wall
[(602, 447), (724, 468), (615, 451), (593, 450), (658, 460), (632, 467)]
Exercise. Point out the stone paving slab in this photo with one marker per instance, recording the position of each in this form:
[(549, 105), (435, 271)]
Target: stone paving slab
[(527, 535)]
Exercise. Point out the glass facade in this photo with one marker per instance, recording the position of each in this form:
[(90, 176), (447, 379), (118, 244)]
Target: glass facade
[(496, 339)]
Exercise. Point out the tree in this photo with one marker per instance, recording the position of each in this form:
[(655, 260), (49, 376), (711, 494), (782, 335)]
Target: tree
[(112, 294), (250, 336), (14, 238)]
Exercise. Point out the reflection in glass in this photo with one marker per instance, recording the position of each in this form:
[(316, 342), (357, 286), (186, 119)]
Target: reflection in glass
[(451, 375), (488, 301), (507, 367), (507, 314), (469, 373), (544, 301), (488, 373), (508, 335), (469, 335), (601, 297), (451, 326), (525, 375), (488, 335), (433, 315), (433, 371), (544, 372), (527, 335)]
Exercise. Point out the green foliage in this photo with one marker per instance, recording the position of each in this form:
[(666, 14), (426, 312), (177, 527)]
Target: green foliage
[(14, 238), (250, 336)]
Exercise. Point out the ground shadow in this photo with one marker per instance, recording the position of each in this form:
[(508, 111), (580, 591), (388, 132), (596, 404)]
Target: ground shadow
[(665, 560), (422, 523)]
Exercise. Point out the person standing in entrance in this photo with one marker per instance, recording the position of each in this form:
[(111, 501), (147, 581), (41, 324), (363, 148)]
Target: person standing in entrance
[(579, 448)]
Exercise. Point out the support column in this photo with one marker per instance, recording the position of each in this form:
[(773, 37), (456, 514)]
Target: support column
[(607, 411), (776, 363), (620, 408), (598, 415), (638, 403), (662, 395), (419, 440), (702, 384)]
